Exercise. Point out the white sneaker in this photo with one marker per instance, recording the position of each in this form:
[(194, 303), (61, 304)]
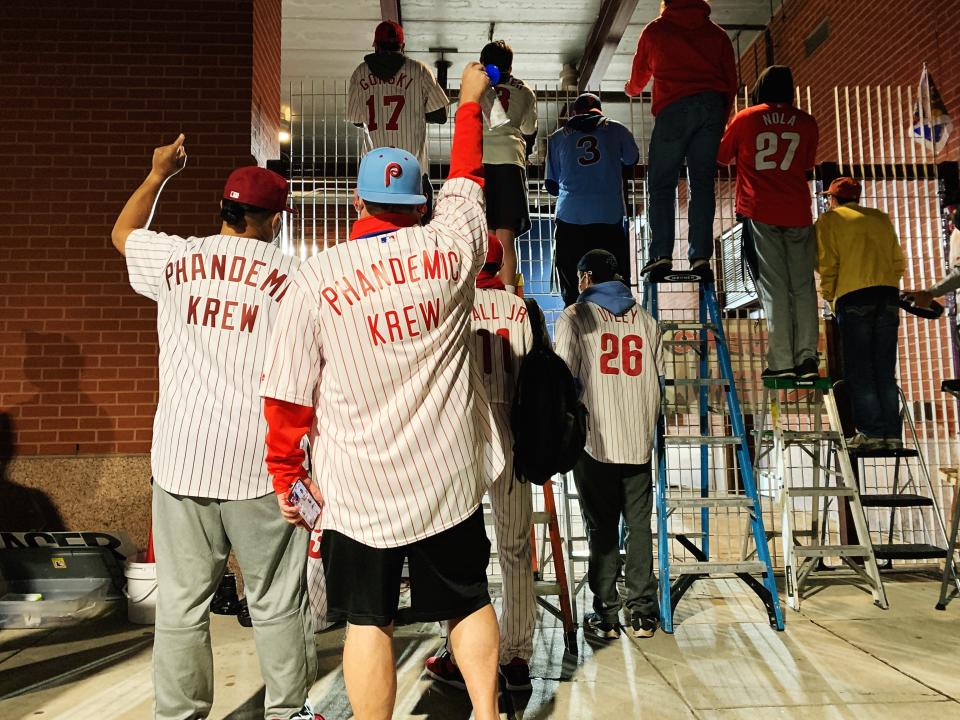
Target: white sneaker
[(862, 442)]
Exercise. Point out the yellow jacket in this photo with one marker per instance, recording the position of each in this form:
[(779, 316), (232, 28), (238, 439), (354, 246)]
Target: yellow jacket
[(857, 247)]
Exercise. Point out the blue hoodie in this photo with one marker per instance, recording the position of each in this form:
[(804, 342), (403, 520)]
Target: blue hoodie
[(612, 295)]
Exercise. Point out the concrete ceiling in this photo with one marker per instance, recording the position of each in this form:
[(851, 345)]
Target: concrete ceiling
[(328, 38)]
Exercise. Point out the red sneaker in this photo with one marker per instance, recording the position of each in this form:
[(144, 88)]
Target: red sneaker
[(442, 669)]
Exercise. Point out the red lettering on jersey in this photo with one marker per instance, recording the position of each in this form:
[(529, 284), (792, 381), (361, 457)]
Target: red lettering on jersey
[(351, 290), (380, 274), (181, 269), (331, 296), (454, 266), (392, 319), (372, 322), (192, 309), (248, 316), (274, 280), (168, 273), (210, 313), (396, 269), (412, 269), (365, 285), (431, 313), (236, 273), (431, 268), (518, 314), (411, 321), (226, 322), (197, 269), (476, 315), (283, 292), (255, 266), (218, 266)]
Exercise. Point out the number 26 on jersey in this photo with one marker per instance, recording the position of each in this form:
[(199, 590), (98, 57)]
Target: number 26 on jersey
[(621, 355)]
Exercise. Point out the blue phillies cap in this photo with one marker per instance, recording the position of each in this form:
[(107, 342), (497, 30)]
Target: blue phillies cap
[(389, 175)]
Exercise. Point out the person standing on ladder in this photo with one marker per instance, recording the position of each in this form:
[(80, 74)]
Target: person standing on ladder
[(860, 264), (694, 73), (585, 163), (501, 339), (612, 347), (774, 144), (394, 97), (505, 152)]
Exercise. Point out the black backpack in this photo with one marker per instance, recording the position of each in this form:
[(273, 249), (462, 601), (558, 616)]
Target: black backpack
[(548, 420)]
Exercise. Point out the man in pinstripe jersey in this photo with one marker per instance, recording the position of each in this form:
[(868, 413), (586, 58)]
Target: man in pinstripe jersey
[(371, 360), (217, 298), (502, 338)]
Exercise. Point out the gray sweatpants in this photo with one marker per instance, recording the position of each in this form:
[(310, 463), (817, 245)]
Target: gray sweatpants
[(192, 539), (607, 491), (787, 258)]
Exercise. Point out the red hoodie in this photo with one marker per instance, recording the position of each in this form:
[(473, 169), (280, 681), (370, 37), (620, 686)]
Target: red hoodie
[(685, 53)]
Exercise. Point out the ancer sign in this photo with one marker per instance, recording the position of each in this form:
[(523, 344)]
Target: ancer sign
[(119, 543)]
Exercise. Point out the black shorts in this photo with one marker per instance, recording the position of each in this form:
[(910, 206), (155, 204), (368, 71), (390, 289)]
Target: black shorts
[(506, 190), (572, 242), (448, 576)]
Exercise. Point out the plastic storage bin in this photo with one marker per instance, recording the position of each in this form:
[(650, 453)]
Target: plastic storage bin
[(64, 601)]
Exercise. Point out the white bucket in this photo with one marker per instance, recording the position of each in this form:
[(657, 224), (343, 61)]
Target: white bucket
[(141, 590)]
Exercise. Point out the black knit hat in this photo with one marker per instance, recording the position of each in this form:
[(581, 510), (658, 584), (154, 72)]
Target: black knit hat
[(601, 264)]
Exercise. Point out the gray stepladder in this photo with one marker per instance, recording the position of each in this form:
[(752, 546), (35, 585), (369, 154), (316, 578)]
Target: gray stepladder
[(686, 512), (950, 585), (826, 449)]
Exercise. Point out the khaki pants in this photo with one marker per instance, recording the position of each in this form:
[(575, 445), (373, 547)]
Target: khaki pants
[(192, 539)]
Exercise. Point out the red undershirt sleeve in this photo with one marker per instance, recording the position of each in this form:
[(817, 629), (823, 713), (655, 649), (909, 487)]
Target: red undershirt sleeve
[(287, 424), (466, 156)]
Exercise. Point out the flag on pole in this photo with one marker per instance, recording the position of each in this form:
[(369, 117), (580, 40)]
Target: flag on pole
[(931, 123)]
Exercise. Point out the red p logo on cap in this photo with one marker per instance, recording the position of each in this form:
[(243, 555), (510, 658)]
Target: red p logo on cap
[(392, 170)]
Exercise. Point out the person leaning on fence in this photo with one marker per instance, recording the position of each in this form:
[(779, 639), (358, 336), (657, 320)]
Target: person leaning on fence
[(505, 151), (612, 347), (694, 76), (774, 144), (585, 162), (860, 264), (951, 283)]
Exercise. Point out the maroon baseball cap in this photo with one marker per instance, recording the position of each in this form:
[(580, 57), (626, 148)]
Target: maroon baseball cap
[(259, 187), (585, 103), (844, 188), (388, 32)]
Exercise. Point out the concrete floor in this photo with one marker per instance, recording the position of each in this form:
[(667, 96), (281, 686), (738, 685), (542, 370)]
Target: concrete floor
[(840, 658)]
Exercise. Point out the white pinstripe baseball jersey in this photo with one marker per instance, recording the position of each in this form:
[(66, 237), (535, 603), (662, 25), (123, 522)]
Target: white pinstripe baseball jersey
[(505, 145), (501, 338), (217, 298), (376, 337), (619, 360), (394, 110)]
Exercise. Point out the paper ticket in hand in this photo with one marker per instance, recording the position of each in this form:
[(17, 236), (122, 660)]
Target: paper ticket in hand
[(301, 498)]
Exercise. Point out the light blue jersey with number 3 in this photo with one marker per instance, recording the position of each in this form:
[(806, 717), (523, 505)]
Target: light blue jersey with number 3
[(584, 168)]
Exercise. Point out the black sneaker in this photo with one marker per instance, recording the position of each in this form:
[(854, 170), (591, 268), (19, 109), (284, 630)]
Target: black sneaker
[(698, 265), (516, 675), (596, 626), (785, 374), (808, 369), (225, 600), (660, 263), (644, 627), (305, 713), (243, 617)]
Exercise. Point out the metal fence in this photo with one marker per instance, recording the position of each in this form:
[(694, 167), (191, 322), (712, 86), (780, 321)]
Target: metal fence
[(872, 143)]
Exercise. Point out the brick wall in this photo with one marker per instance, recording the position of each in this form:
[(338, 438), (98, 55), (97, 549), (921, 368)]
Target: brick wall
[(88, 88), (869, 43)]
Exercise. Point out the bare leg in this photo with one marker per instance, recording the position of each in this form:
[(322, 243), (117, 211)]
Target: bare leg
[(370, 671), (508, 273), (475, 642)]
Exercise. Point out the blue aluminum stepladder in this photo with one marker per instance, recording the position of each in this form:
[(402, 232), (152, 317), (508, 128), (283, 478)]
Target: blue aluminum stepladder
[(676, 578)]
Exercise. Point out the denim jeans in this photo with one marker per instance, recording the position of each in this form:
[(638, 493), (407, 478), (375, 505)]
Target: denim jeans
[(868, 334), (688, 129)]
